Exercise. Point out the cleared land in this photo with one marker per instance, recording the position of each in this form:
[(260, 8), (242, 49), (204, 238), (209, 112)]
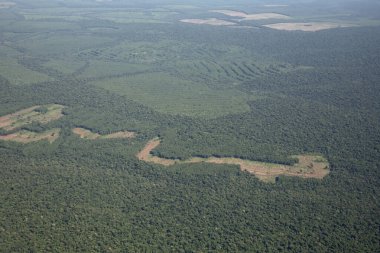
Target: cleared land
[(18, 74), (245, 16), (4, 5), (308, 166), (209, 21), (87, 134), (27, 136), (41, 114), (306, 27), (275, 5), (186, 97)]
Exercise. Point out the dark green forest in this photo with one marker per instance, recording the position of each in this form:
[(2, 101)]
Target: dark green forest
[(258, 94)]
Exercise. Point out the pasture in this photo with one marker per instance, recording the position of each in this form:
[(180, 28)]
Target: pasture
[(169, 94), (18, 74)]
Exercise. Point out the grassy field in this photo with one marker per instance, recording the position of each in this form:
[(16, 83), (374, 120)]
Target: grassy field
[(19, 75), (169, 94), (65, 65), (135, 16), (230, 106), (61, 44), (104, 68)]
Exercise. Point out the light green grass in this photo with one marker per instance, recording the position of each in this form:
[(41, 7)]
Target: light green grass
[(43, 26), (8, 52), (172, 95), (48, 45), (18, 74), (134, 16), (66, 66), (107, 68), (40, 17)]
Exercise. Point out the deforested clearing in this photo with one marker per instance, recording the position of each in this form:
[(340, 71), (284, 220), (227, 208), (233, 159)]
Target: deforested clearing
[(40, 114), (89, 135), (24, 136), (306, 27), (275, 5), (4, 5), (209, 21), (308, 166), (257, 16)]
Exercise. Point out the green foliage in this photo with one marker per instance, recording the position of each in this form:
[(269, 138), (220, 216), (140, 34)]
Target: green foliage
[(168, 94), (251, 93)]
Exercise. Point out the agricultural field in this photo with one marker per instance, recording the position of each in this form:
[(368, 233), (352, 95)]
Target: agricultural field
[(199, 126), (19, 75), (169, 94)]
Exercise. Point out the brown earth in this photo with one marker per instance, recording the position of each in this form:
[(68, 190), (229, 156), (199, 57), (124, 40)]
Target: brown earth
[(275, 5), (210, 21), (4, 5), (308, 166), (27, 136), (29, 115), (144, 154), (87, 134), (120, 135)]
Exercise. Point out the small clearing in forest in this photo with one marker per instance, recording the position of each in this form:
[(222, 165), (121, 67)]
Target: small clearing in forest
[(306, 27), (209, 21), (275, 5), (41, 114), (5, 5), (24, 136), (308, 166), (87, 134)]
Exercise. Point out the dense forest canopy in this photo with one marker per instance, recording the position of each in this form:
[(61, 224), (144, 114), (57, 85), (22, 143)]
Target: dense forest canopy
[(210, 79)]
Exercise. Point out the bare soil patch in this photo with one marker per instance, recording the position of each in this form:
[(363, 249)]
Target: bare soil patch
[(31, 114), (275, 5), (5, 5), (145, 155), (209, 21), (27, 136), (120, 135), (87, 134), (306, 27), (258, 16), (308, 166)]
